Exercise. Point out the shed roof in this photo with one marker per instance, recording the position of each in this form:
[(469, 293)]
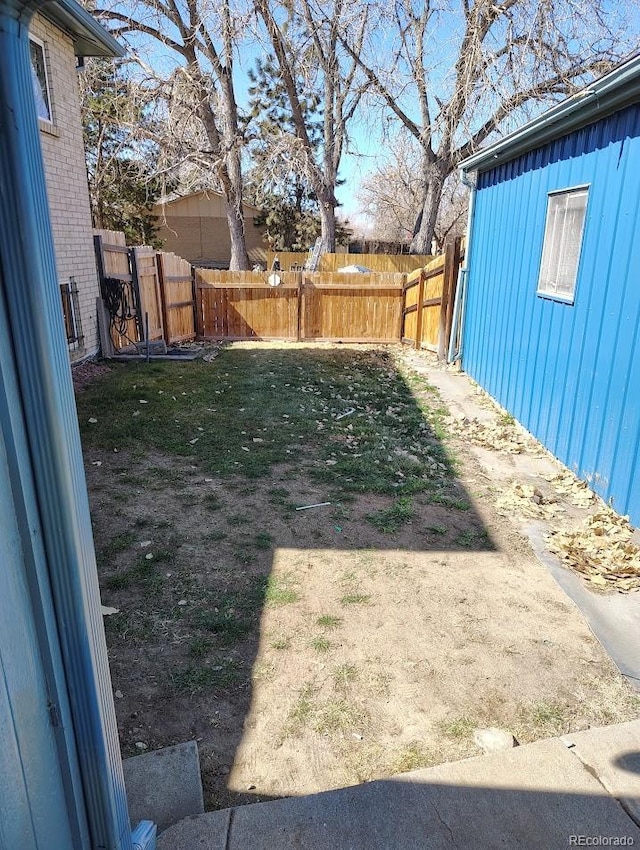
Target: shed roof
[(610, 93), (89, 37), (206, 194)]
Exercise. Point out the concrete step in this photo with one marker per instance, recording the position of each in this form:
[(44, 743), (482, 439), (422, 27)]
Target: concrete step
[(164, 786), (536, 797)]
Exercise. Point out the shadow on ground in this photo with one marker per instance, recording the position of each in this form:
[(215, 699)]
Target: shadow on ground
[(301, 649)]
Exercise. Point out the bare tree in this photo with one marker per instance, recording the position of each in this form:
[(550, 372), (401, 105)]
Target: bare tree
[(391, 196), (199, 39), (306, 42), (455, 74)]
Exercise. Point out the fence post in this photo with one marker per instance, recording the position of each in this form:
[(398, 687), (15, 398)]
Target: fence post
[(135, 286), (301, 306), (403, 297), (163, 297), (197, 298), (451, 266), (419, 305)]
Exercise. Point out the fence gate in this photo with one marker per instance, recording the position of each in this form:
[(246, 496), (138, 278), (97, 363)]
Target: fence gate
[(177, 298), (118, 288), (145, 270)]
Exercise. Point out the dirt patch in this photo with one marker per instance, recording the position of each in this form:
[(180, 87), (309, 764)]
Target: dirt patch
[(85, 373), (306, 650)]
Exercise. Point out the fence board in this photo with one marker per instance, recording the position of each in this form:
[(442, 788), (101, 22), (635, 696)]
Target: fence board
[(177, 295), (394, 263), (146, 270)]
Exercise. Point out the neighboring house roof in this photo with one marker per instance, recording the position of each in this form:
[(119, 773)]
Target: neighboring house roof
[(614, 91), (173, 198), (89, 37)]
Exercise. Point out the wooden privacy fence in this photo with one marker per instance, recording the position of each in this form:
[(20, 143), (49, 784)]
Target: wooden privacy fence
[(429, 295), (113, 263), (382, 263), (305, 306), (181, 302), (146, 294)]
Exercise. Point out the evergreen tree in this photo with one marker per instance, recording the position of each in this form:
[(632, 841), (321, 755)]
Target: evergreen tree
[(121, 162), (276, 183)]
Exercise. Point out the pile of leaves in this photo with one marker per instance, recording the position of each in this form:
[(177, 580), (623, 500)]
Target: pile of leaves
[(501, 435), (601, 550), (527, 501), (573, 490)]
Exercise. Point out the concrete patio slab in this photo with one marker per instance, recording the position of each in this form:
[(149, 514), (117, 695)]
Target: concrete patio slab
[(164, 786), (613, 754), (533, 797)]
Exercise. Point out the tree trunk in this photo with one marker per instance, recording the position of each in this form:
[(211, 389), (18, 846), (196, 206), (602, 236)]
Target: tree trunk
[(239, 258), (229, 172), (426, 223), (328, 225), (231, 181)]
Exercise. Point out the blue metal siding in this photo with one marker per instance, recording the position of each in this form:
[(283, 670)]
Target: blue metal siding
[(569, 373)]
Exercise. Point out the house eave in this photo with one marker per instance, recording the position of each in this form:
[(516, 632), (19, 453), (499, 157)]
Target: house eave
[(616, 90), (89, 37)]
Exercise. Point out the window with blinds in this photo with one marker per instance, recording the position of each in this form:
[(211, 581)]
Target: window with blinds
[(562, 243)]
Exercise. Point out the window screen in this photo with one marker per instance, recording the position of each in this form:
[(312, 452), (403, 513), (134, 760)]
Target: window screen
[(562, 243), (39, 79)]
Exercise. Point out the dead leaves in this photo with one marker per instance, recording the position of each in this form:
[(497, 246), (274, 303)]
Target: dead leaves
[(574, 490), (601, 550), (498, 436), (527, 501)]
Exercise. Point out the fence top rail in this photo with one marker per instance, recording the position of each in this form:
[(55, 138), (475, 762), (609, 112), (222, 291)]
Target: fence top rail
[(177, 278), (349, 287), (261, 286)]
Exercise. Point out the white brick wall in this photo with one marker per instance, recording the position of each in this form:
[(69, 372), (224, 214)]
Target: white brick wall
[(66, 178)]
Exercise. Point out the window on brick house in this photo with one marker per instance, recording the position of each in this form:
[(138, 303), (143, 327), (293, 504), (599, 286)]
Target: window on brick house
[(39, 79), (562, 243), (71, 314)]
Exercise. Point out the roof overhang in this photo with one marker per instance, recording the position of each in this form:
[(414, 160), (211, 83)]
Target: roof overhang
[(609, 94), (89, 37), (169, 200)]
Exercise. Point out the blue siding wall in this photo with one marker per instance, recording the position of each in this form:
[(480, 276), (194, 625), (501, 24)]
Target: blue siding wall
[(569, 373)]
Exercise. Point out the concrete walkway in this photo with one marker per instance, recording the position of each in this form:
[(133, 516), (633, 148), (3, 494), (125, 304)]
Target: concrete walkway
[(583, 790)]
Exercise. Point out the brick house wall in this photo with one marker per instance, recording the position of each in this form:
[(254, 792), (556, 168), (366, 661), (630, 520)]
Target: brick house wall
[(66, 178)]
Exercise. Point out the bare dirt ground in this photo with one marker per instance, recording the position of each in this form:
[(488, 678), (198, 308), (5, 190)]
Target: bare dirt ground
[(307, 650)]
